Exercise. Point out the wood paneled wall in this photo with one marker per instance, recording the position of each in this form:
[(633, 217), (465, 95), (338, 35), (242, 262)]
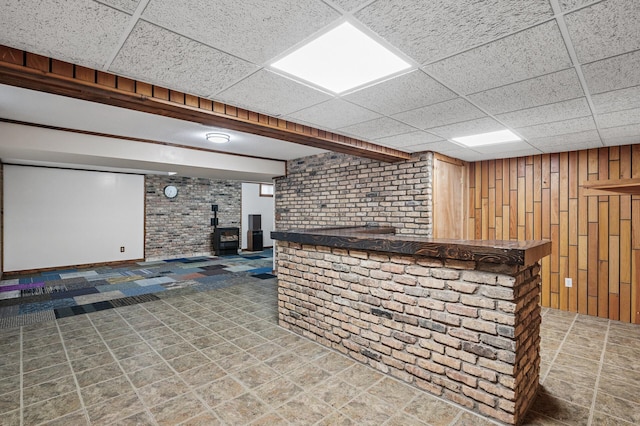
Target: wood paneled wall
[(596, 239)]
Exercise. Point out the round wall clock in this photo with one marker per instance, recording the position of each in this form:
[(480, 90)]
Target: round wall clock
[(170, 191)]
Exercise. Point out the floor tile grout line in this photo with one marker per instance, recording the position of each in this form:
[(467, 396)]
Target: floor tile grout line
[(124, 373), (233, 373), (73, 374), (555, 356), (192, 389), (600, 365), (455, 419)]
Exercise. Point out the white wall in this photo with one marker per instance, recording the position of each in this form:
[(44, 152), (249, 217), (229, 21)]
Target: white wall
[(58, 217), (253, 203)]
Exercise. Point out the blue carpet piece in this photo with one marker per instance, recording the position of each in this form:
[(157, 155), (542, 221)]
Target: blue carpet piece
[(143, 290), (60, 271), (187, 271), (255, 257), (183, 260), (29, 308), (50, 277), (63, 303), (260, 271)]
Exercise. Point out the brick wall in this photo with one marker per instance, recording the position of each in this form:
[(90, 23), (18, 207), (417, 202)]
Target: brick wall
[(464, 331), (182, 226), (341, 190)]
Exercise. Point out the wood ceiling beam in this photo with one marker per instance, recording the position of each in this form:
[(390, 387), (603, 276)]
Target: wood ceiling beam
[(30, 71)]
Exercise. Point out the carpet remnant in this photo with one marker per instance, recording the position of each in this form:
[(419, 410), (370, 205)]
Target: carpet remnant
[(26, 319), (62, 293), (42, 290)]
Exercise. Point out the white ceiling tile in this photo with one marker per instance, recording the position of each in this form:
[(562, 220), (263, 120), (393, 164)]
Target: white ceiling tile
[(499, 148), (467, 128), (588, 137), (510, 153), (272, 94), (463, 154), (547, 89), (557, 128), (158, 56), (604, 29), (126, 5), (527, 54), (350, 5), (443, 147), (572, 4), (82, 32), (619, 118), (632, 130), (617, 100), (446, 147), (409, 91), (408, 139), (471, 156), (377, 129), (558, 111), (614, 73), (566, 147), (622, 140), (428, 30), (333, 114), (253, 30), (417, 148), (440, 114)]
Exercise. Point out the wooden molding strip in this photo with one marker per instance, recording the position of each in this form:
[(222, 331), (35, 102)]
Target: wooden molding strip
[(612, 187), (30, 71)]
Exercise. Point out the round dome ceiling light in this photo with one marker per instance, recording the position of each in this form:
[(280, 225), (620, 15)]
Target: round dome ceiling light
[(218, 137)]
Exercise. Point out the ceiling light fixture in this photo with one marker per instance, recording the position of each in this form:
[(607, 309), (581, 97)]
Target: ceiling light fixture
[(218, 137), (501, 136), (341, 59), (172, 173)]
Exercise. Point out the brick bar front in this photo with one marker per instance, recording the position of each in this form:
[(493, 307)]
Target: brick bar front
[(458, 320)]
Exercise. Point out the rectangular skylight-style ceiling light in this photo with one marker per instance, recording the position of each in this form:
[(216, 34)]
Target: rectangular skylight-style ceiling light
[(341, 59), (501, 136)]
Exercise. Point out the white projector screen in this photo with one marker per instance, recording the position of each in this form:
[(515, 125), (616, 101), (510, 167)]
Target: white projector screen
[(59, 217)]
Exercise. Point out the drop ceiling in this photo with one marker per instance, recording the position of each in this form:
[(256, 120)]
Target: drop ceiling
[(562, 74)]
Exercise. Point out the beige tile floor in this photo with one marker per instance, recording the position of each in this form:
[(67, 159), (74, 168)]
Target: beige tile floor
[(218, 357)]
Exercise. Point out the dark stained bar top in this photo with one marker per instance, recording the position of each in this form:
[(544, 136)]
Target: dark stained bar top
[(385, 239)]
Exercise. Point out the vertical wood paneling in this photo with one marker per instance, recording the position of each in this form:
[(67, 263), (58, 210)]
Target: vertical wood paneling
[(595, 239)]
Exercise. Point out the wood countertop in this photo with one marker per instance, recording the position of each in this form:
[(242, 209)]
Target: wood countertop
[(385, 239)]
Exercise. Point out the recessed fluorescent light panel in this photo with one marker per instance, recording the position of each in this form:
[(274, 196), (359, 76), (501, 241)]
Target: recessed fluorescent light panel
[(502, 136), (341, 59)]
